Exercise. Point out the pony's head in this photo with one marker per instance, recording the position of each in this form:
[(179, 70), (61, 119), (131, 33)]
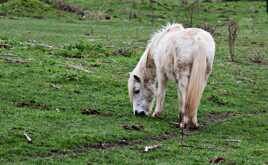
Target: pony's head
[(141, 94)]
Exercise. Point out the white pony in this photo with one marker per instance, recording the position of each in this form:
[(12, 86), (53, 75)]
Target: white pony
[(173, 53)]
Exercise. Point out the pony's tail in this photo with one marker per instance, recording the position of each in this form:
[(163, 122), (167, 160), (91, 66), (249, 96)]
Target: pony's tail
[(196, 85)]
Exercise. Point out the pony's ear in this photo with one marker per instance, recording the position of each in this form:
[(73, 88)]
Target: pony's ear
[(137, 78), (149, 60)]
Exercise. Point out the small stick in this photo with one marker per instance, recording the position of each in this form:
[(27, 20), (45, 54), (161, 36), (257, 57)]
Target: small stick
[(28, 138), (233, 140), (148, 148)]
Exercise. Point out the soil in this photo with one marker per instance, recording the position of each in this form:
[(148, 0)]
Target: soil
[(95, 112), (32, 104)]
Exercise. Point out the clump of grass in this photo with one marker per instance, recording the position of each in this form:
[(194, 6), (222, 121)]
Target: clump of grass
[(64, 77), (26, 8), (83, 49), (218, 100), (10, 42)]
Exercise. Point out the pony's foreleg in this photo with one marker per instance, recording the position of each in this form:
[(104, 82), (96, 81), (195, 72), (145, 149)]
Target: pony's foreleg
[(208, 72), (182, 83), (160, 95)]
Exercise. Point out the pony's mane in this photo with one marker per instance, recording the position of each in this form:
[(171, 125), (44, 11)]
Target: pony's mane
[(158, 34)]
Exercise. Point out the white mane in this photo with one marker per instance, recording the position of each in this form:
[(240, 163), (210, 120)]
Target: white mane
[(159, 34)]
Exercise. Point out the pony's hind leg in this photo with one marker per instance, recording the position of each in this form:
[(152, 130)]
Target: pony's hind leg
[(186, 119), (160, 96), (182, 82)]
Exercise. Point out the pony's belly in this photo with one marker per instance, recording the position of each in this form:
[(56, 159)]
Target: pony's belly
[(170, 72)]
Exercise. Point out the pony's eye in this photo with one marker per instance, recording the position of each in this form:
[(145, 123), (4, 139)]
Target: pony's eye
[(136, 91)]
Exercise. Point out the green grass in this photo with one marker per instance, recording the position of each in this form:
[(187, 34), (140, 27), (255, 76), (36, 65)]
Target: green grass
[(42, 92)]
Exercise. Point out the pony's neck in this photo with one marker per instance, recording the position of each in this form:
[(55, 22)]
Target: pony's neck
[(143, 71)]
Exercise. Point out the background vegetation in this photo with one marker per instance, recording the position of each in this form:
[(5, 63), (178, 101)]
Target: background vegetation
[(63, 82)]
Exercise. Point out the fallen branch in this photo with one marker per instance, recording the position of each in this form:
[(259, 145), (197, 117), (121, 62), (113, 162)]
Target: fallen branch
[(217, 160)]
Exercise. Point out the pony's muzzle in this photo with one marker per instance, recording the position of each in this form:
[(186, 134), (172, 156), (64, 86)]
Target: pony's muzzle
[(139, 113)]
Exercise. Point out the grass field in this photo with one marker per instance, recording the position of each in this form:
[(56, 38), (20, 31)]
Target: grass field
[(63, 82)]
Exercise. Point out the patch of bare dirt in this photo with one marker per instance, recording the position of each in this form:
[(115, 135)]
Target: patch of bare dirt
[(3, 14), (102, 146), (215, 117), (5, 46), (125, 142), (217, 160), (95, 112), (136, 127), (15, 61), (89, 111), (3, 1), (32, 104), (61, 5), (122, 52), (11, 59)]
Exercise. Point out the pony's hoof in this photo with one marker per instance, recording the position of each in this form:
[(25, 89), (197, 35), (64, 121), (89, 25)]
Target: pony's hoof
[(182, 125), (194, 126), (156, 114)]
